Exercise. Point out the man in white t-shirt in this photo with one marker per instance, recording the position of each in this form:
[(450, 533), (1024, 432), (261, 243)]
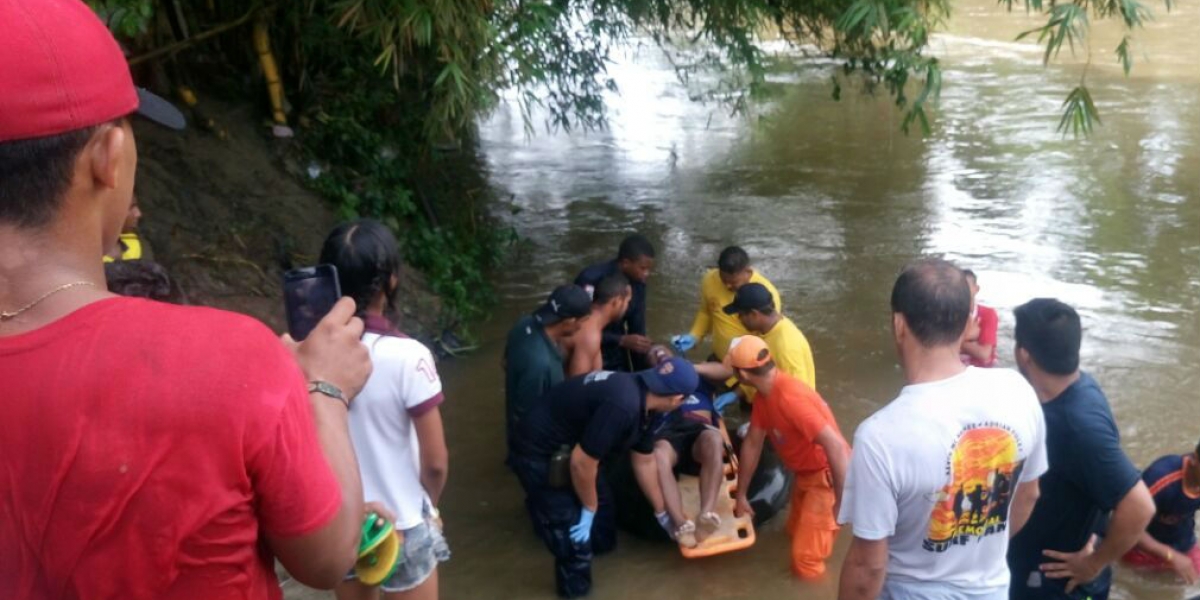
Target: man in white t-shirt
[(943, 475), (396, 427)]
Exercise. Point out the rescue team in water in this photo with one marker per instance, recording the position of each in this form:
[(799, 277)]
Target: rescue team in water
[(973, 482), (185, 467)]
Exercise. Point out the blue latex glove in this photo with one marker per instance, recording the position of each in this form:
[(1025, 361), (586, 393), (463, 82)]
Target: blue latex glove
[(724, 400), (581, 532), (684, 342)]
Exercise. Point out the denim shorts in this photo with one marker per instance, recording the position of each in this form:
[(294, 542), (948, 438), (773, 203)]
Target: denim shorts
[(424, 548)]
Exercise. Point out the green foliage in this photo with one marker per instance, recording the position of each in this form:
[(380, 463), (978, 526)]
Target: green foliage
[(464, 53), (384, 83), (1125, 55), (374, 118), (458, 56), (436, 46), (1079, 113), (126, 18), (456, 261), (1068, 24), (372, 142), (553, 53)]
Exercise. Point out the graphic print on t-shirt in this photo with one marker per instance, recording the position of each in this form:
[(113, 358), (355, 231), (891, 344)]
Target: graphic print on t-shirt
[(983, 469)]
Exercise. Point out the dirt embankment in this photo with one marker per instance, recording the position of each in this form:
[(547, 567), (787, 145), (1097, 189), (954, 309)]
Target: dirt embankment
[(226, 217)]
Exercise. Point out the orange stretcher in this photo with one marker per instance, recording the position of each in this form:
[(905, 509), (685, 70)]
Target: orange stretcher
[(735, 533)]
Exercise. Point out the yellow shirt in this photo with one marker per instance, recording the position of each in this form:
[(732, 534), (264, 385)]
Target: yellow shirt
[(791, 351), (714, 297)]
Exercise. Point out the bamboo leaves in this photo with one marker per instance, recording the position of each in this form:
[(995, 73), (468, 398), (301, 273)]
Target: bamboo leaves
[(859, 17), (1134, 13), (1124, 55), (1079, 112), (885, 40), (1068, 23), (458, 56)]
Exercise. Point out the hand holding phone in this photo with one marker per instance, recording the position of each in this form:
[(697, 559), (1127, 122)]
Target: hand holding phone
[(334, 352), (309, 294)]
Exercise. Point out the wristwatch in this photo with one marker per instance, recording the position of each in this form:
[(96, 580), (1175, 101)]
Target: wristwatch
[(328, 389)]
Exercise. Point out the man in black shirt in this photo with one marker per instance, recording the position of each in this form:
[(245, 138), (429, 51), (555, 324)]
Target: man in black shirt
[(573, 427), (625, 343), (1056, 555)]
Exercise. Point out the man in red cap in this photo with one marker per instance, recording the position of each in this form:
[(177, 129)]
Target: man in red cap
[(809, 443), (180, 472)]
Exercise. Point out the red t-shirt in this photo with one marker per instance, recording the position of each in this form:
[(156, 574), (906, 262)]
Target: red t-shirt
[(144, 450), (989, 323), (793, 415)]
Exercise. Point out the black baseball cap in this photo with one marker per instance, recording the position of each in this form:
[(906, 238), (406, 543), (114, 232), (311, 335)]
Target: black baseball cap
[(565, 302), (752, 296)]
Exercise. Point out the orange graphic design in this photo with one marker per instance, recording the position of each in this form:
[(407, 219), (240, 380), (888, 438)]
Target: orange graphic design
[(983, 469)]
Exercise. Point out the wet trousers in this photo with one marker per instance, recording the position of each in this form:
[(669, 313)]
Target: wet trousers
[(553, 511), (811, 523)]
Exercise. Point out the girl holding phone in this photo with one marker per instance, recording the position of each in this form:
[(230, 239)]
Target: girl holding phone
[(395, 425)]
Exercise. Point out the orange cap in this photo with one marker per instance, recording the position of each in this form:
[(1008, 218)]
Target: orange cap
[(747, 352)]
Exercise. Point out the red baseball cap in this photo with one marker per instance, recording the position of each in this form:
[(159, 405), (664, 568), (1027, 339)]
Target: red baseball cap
[(61, 70)]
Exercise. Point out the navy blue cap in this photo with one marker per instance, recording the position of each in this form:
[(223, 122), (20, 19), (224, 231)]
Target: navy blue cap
[(752, 296), (565, 302), (671, 377)]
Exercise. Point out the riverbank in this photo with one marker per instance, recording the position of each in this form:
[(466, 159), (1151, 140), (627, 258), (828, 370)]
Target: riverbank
[(226, 214)]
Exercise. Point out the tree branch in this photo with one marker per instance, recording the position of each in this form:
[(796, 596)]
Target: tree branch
[(196, 39)]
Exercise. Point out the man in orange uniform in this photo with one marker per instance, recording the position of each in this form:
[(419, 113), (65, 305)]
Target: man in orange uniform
[(809, 443)]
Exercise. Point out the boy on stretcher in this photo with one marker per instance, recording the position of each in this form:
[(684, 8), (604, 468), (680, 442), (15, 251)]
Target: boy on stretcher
[(689, 439)]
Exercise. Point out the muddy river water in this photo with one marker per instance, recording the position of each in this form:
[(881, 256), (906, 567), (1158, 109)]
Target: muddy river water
[(831, 199)]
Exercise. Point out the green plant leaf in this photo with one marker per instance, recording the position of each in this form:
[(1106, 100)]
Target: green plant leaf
[(1125, 55), (1079, 113)]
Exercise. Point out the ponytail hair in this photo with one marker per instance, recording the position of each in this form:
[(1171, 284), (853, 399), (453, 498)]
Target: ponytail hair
[(367, 258)]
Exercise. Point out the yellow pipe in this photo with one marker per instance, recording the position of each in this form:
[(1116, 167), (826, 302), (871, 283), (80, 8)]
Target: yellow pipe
[(262, 45)]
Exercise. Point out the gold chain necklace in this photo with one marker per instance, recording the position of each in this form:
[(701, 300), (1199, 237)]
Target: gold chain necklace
[(8, 316)]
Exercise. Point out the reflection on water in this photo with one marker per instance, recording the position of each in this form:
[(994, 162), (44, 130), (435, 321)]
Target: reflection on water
[(830, 200)]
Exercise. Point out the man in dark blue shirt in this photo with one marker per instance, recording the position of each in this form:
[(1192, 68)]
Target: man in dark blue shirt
[(533, 359), (574, 426), (1056, 554), (625, 342), (1169, 543)]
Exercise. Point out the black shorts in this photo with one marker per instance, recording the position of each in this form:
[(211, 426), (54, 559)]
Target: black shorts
[(682, 436)]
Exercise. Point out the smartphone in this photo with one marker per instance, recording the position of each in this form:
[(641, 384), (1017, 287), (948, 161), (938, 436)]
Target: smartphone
[(308, 295)]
